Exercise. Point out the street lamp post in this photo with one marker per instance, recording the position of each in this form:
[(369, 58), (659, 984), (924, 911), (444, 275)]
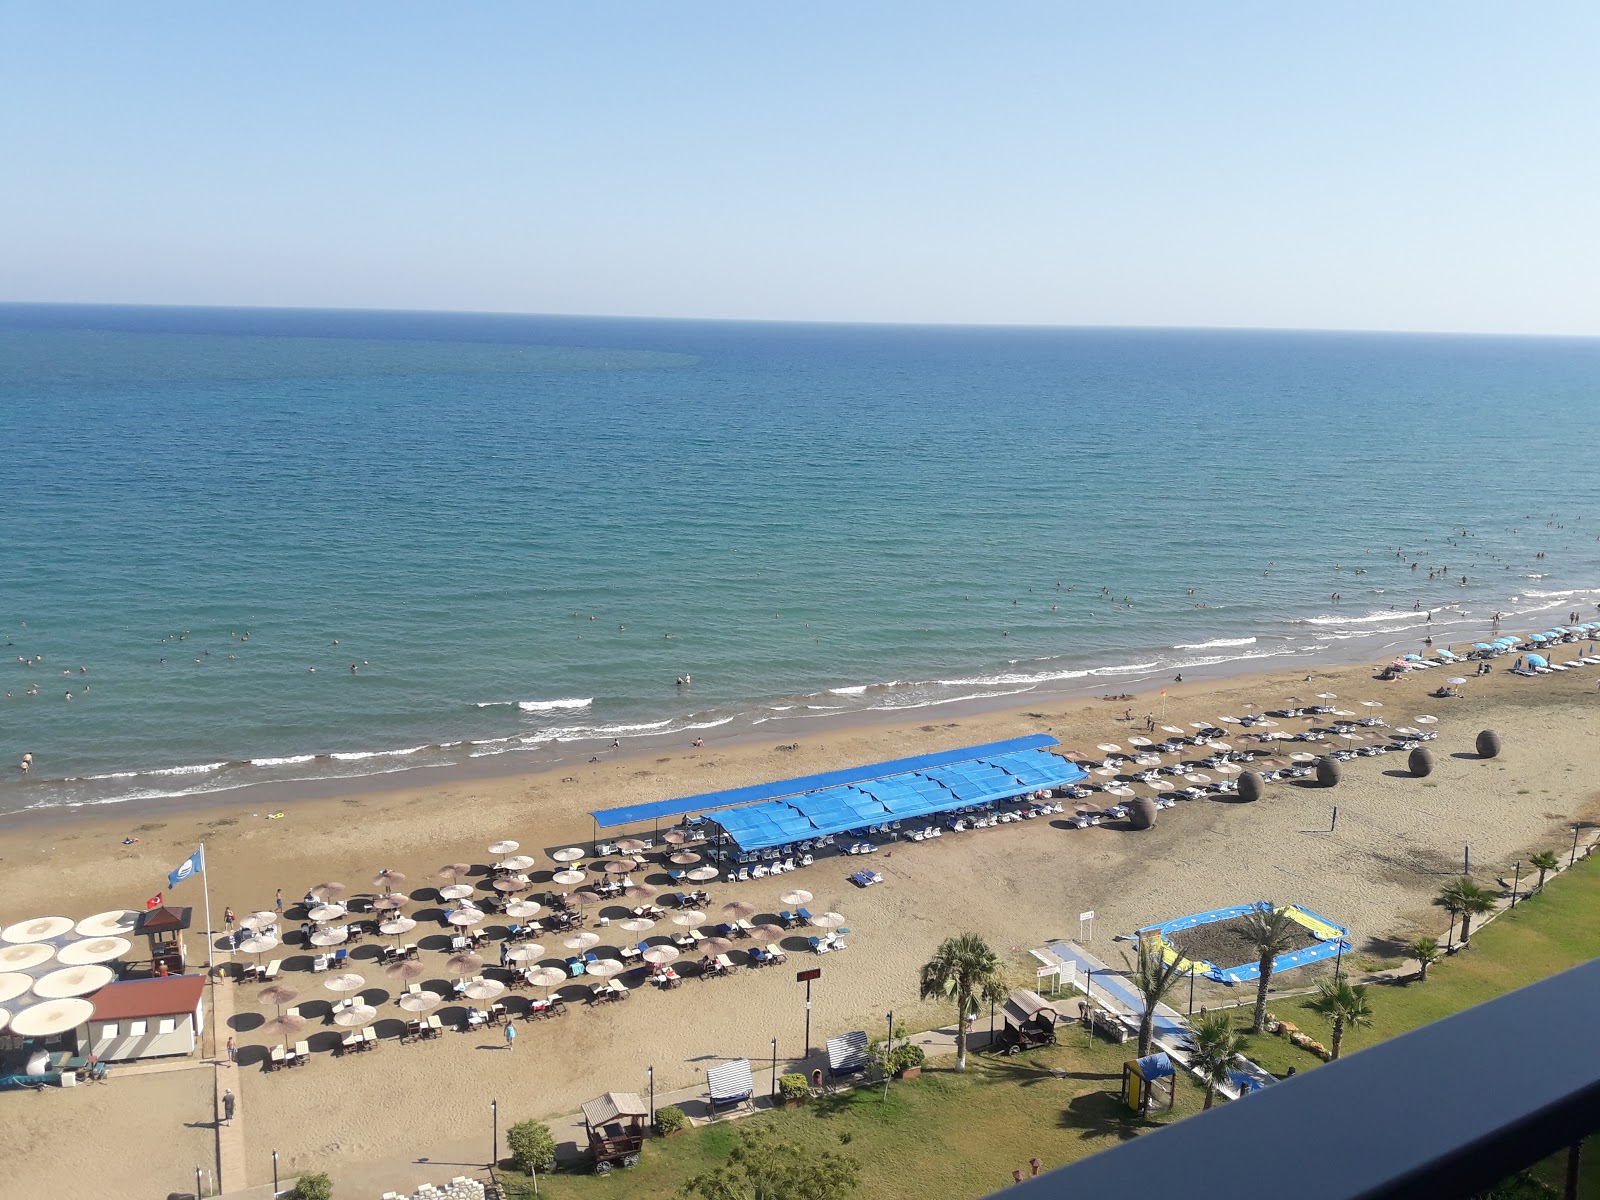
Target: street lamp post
[(774, 1067), (274, 1175), (1574, 856), (1516, 883), (652, 1095), (888, 1050), (1191, 989), (1450, 938), (494, 1117)]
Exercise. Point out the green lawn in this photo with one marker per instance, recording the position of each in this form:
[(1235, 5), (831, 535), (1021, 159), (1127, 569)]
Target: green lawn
[(949, 1134), (945, 1134)]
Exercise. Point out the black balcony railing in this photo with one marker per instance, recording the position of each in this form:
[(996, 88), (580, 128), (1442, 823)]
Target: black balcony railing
[(1448, 1110)]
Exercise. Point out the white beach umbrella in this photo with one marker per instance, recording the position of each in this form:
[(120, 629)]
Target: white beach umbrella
[(520, 910), (703, 874), (346, 982), (517, 862), (1173, 729), (569, 854), (484, 989), (259, 920), (93, 950), (528, 952), (604, 969), (1372, 703), (1327, 695), (51, 1017), (26, 956), (547, 977), (581, 941), (567, 878), (13, 984), (1109, 747), (637, 924), (501, 848), (797, 897), (327, 912), (465, 917), (660, 954), (1104, 771), (5, 1019), (1302, 757), (1427, 720), (420, 1001), (258, 945), (72, 981), (115, 923), (688, 918), (358, 1014), (1139, 741), (329, 937), (36, 929), (828, 920), (1119, 790), (329, 891), (456, 891), (1197, 777), (395, 926)]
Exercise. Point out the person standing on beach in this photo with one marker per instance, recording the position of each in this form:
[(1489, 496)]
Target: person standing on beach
[(227, 918), (511, 1036), (280, 900), (228, 1101)]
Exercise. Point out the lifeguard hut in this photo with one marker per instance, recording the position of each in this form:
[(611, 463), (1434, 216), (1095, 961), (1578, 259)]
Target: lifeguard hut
[(164, 927), (1149, 1082)]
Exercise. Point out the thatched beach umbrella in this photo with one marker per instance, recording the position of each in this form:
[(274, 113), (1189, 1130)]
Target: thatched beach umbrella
[(277, 995), (258, 945), (547, 977), (796, 898), (456, 891), (511, 884), (505, 846), (36, 929), (395, 926), (686, 858), (388, 880), (738, 910), (284, 1025), (25, 957), (391, 903), (464, 917), (703, 874), (675, 837), (764, 935), (639, 891), (583, 940), (407, 970), (521, 910), (115, 923), (660, 954), (828, 920), (420, 1001), (465, 963), (451, 872), (637, 924), (716, 945), (329, 891), (621, 866), (528, 952), (484, 989), (688, 918), (604, 969), (323, 913), (345, 982)]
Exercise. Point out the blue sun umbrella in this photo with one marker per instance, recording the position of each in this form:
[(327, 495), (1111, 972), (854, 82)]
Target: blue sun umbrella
[(1537, 660)]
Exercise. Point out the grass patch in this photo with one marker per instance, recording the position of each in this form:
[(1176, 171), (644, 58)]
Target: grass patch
[(945, 1134)]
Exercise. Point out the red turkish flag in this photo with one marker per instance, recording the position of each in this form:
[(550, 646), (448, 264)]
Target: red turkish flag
[(153, 902)]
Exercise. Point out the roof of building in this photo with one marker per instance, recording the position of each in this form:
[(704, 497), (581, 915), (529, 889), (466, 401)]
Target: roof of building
[(159, 920), (148, 997), (607, 1108)]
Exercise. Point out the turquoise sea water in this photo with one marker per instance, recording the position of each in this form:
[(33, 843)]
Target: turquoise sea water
[(524, 530)]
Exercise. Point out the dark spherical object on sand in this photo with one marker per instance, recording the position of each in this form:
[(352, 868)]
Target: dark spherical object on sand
[(1251, 786), (1328, 771), (1142, 813), (1488, 744), (1421, 763)]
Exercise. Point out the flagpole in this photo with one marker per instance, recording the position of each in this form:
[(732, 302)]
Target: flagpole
[(205, 884)]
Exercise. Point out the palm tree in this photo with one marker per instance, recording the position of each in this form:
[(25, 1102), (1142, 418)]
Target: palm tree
[(1426, 951), (1464, 897), (1345, 1006), (1546, 861), (1214, 1045), (1153, 976), (1270, 931), (966, 970)]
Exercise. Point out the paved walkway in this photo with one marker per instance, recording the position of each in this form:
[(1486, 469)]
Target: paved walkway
[(230, 1135)]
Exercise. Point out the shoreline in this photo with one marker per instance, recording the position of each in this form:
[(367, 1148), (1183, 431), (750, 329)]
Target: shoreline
[(542, 758)]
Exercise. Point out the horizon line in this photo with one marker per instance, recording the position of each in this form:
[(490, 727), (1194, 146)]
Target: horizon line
[(884, 324)]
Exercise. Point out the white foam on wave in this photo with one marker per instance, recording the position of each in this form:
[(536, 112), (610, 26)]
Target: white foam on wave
[(1011, 678), (495, 703), (947, 700), (848, 691), (112, 775), (550, 705), (195, 769), (359, 755), (281, 762), (1125, 668), (1211, 660), (1412, 618), (1216, 644)]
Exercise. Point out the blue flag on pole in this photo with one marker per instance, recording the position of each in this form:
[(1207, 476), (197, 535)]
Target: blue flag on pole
[(189, 866)]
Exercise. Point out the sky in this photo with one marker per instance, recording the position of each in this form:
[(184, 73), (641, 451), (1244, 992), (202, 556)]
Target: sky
[(1391, 165)]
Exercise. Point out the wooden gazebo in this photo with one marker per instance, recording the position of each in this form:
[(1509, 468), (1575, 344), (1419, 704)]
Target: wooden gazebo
[(164, 927), (616, 1125)]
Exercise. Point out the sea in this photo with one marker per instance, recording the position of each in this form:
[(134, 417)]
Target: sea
[(244, 546)]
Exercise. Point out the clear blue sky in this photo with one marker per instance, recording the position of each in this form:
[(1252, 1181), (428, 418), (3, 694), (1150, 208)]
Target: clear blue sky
[(1381, 165)]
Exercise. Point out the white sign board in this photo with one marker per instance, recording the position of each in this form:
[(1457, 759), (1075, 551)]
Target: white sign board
[(1086, 916)]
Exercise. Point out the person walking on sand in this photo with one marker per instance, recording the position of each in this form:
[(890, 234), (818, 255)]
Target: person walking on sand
[(228, 1101), (280, 900), (233, 1052), (227, 918), (511, 1036)]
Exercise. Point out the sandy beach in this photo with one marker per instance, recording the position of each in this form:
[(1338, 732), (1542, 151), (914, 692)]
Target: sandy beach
[(1020, 885)]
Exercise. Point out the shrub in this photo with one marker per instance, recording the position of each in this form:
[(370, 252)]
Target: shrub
[(793, 1087), (902, 1057), (670, 1119), (532, 1148), (315, 1186)]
